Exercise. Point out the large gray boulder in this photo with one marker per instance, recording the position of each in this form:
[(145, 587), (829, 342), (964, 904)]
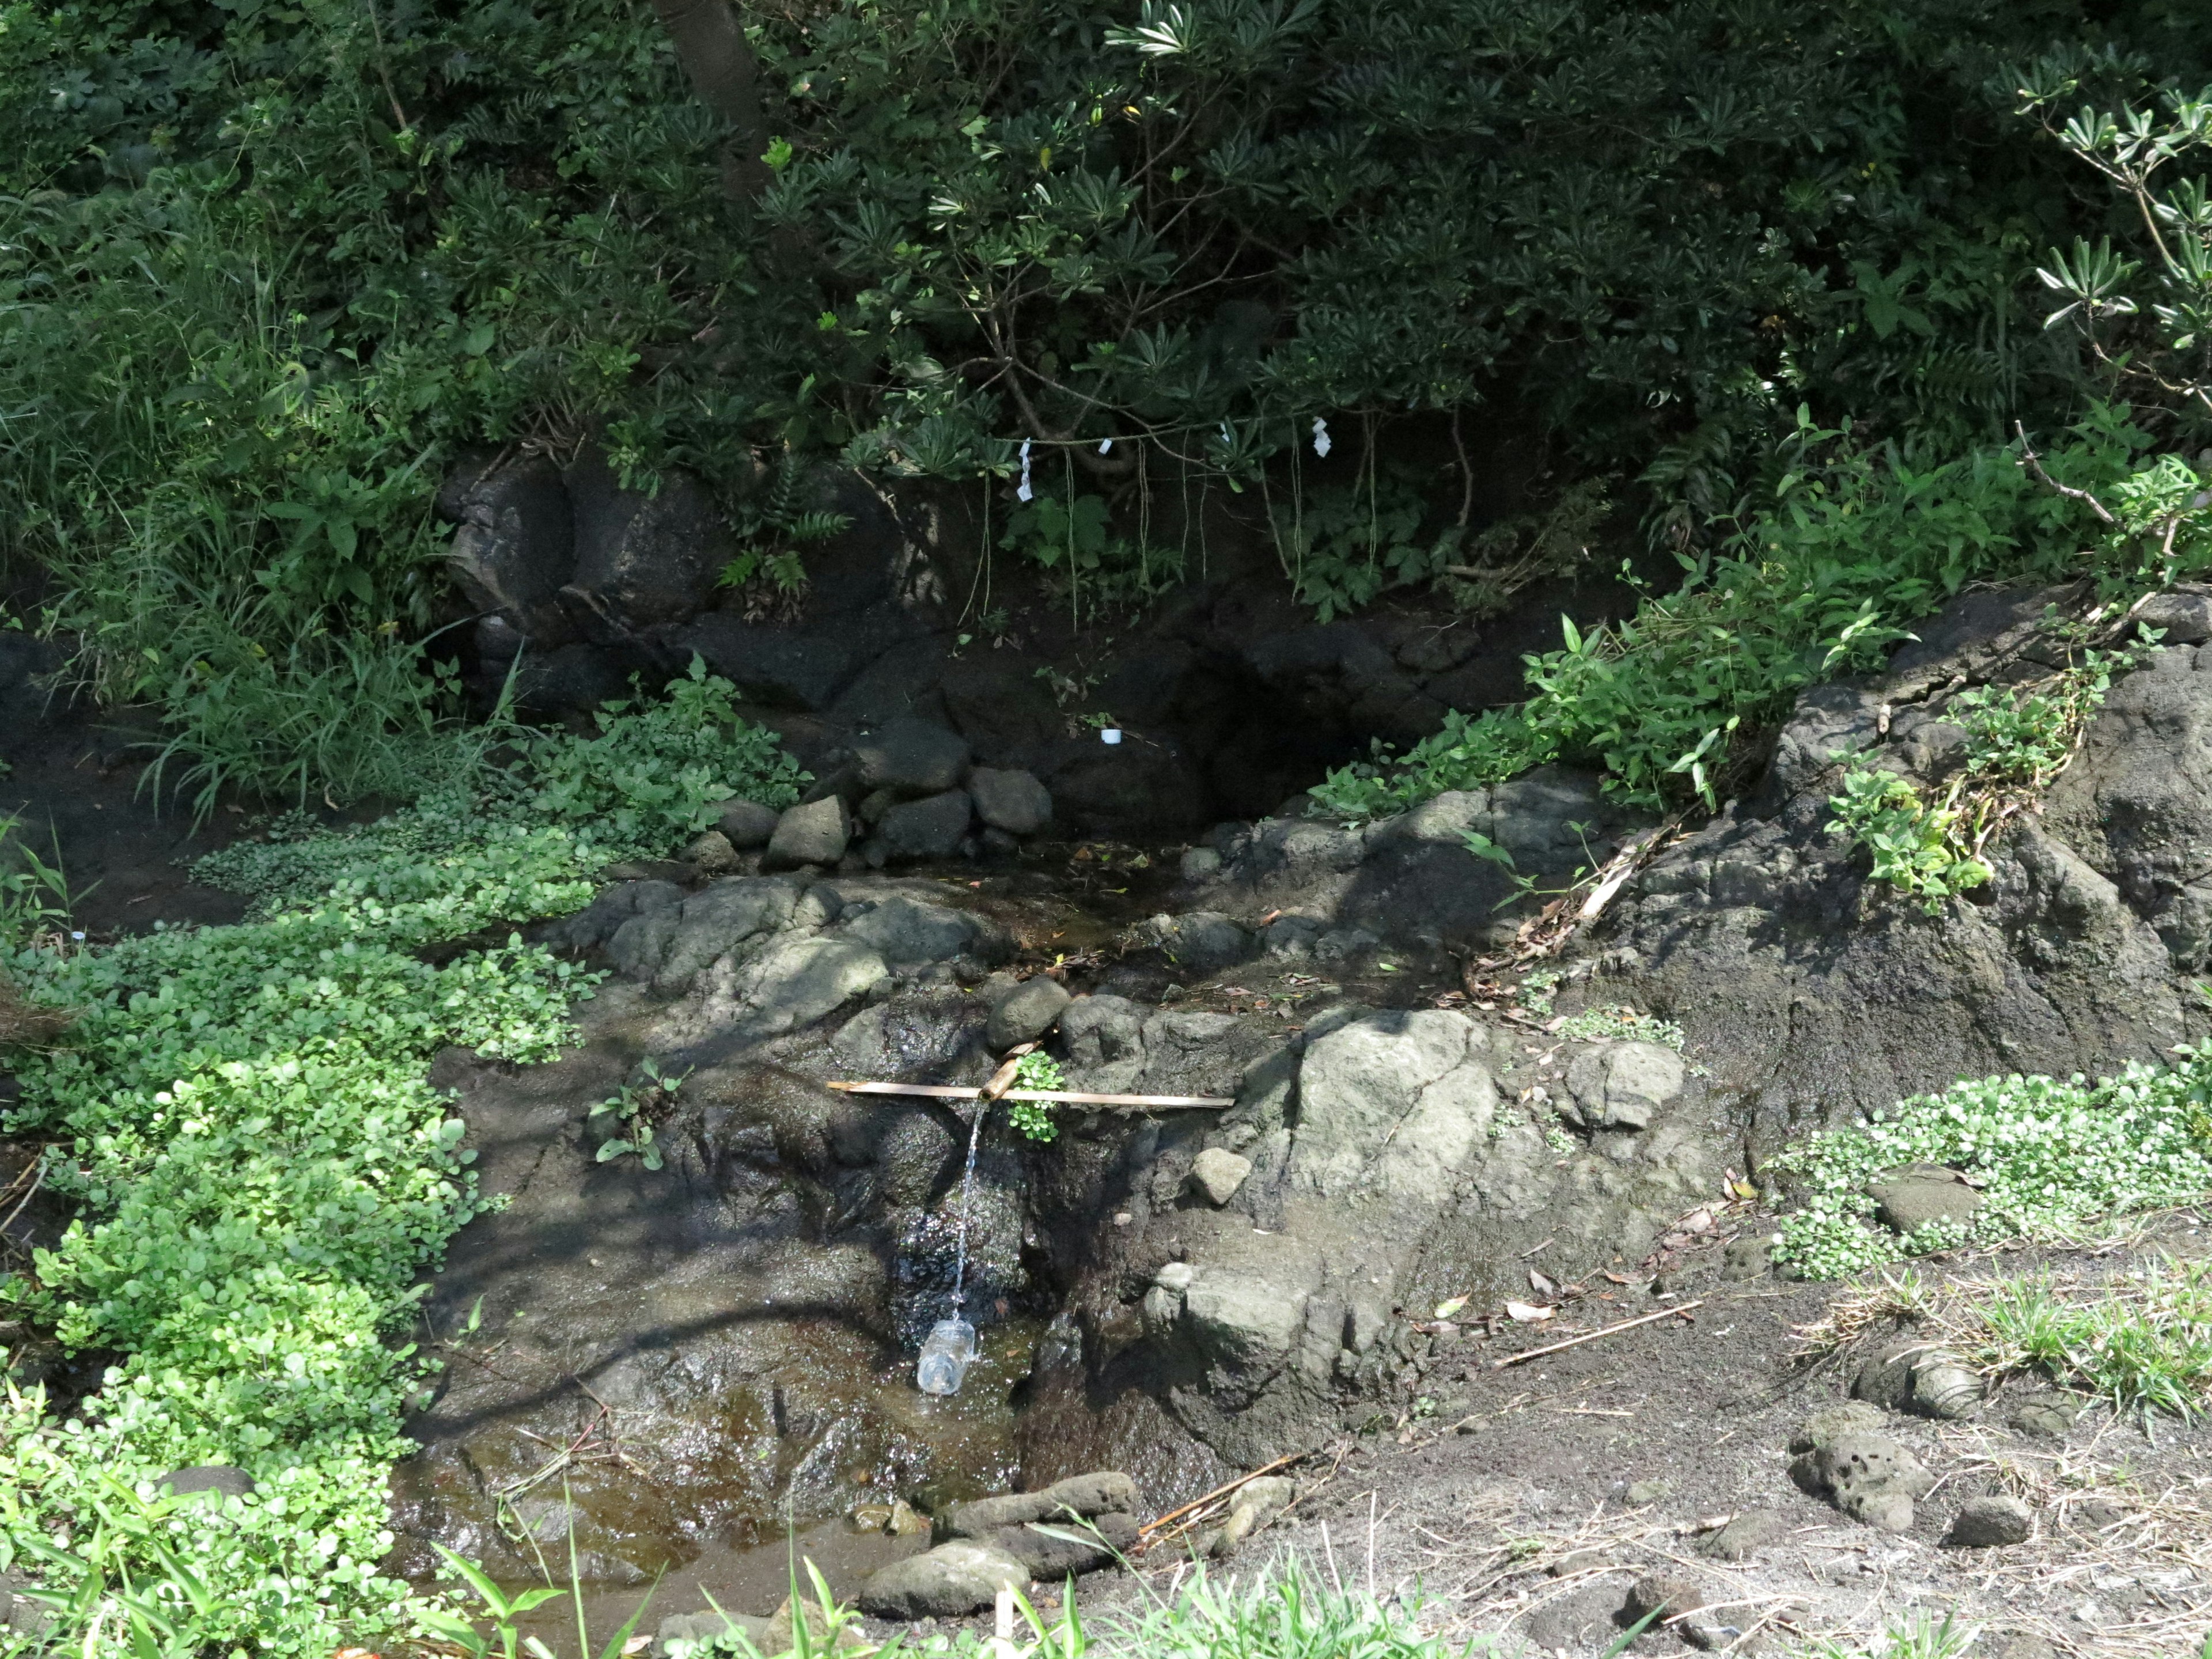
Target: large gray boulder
[(1010, 800), (1412, 881), (672, 944), (814, 832), (911, 757), (515, 545), (949, 1581), (906, 931), (795, 984), (1392, 1107), (642, 558)]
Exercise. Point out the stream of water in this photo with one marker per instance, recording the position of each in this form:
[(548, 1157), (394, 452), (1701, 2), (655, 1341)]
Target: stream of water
[(951, 1344)]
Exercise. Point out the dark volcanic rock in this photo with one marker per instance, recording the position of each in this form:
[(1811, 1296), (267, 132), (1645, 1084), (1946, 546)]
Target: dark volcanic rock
[(1815, 996)]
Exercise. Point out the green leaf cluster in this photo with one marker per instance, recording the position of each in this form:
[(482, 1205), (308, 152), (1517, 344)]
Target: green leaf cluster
[(1911, 838), (264, 1176), (2050, 1155), (1673, 701)]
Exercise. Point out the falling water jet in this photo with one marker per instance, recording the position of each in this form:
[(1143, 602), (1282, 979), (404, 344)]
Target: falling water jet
[(950, 1347)]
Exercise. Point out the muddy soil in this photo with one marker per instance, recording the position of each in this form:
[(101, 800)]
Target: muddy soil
[(1526, 1501)]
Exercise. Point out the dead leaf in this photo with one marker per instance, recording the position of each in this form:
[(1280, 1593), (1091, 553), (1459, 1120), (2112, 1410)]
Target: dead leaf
[(1698, 1221), (1524, 1313), (1543, 1284)]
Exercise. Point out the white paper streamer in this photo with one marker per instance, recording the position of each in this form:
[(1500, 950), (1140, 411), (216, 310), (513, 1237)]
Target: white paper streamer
[(1024, 493), (1321, 438)]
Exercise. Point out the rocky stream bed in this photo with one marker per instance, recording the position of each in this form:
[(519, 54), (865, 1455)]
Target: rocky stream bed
[(682, 1368)]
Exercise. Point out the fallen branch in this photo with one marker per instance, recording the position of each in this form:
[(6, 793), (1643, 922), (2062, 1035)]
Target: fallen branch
[(1221, 1491), (1126, 1103), (2033, 461), (1592, 1336)]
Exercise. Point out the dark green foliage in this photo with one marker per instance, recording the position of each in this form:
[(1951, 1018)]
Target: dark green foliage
[(262, 268), (1859, 543)]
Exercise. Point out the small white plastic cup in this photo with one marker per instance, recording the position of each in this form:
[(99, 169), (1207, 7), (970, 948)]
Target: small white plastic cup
[(1109, 735)]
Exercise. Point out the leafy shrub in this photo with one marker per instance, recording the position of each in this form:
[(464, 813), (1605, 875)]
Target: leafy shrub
[(656, 769), (1672, 703), (1033, 1117), (1909, 837), (263, 269), (2018, 739), (2051, 1156)]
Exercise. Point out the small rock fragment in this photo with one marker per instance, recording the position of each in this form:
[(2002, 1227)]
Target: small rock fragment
[(1256, 1503), (1870, 1476), (1199, 863), (1944, 1389), (1747, 1257), (1026, 1011), (220, 1478), (2047, 1416), (1009, 800), (1991, 1524), (949, 1581), (2096, 1513), (744, 824), (1217, 1173), (1914, 1195), (712, 854), (911, 757), (815, 833), (931, 828), (1667, 1596), (1622, 1086), (2185, 615), (1647, 1492), (1832, 1423), (1745, 1536), (2013, 1644)]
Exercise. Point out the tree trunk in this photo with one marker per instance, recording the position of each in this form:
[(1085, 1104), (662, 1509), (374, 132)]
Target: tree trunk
[(719, 62)]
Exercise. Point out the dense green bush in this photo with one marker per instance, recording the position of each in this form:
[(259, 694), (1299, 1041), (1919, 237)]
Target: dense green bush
[(263, 267), (1859, 543)]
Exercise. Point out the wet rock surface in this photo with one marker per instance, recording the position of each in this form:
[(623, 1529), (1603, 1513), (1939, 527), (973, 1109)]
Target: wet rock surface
[(1191, 1294)]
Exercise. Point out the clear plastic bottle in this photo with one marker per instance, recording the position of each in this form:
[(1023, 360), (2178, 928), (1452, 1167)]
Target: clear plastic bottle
[(946, 1353)]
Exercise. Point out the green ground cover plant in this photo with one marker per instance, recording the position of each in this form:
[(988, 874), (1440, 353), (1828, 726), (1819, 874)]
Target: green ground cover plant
[(263, 1174), (2145, 1343), (2050, 1155), (2140, 1339)]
